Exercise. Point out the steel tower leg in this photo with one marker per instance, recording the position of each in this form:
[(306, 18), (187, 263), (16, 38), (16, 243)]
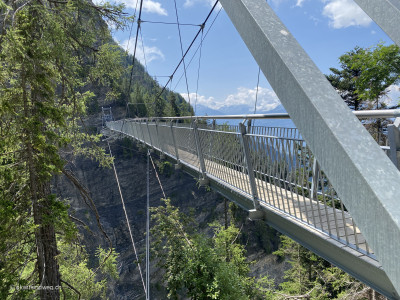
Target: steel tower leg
[(363, 176)]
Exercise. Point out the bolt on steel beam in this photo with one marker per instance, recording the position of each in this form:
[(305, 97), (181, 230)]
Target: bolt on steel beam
[(363, 176)]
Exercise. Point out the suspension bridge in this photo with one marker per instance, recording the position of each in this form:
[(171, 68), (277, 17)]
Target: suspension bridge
[(327, 184)]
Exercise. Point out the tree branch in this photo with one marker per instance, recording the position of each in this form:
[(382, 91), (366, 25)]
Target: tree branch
[(83, 223), (72, 288)]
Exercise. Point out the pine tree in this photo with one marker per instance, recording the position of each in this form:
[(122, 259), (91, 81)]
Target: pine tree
[(198, 266), (173, 110), (49, 60), (344, 80), (311, 277), (138, 107)]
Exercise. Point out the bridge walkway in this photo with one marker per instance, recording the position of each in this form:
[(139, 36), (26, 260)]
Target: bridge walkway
[(294, 194)]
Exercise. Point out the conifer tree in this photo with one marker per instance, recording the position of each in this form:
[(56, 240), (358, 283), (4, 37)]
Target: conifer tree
[(51, 54)]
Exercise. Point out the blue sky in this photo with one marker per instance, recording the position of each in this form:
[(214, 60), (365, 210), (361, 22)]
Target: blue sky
[(326, 29)]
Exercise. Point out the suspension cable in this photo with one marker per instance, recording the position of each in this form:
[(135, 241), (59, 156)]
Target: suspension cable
[(130, 30), (136, 40), (187, 51), (127, 50), (148, 228), (127, 220), (198, 73), (198, 47), (158, 178), (258, 83), (144, 53), (180, 42), (170, 23)]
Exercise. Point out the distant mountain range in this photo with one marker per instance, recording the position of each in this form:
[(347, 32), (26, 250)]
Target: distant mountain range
[(202, 110)]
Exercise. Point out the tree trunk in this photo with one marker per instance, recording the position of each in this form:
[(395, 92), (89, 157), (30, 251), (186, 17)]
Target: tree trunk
[(46, 246), (45, 237)]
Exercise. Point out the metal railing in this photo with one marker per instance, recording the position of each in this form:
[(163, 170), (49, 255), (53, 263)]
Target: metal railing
[(272, 166)]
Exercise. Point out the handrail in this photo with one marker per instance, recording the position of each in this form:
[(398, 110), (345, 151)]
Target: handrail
[(385, 113)]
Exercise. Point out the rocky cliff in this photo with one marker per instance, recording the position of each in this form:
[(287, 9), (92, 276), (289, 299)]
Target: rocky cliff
[(130, 162)]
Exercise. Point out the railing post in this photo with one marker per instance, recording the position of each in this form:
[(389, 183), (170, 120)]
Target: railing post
[(151, 141), (249, 123), (177, 165), (203, 180), (136, 131), (314, 182), (160, 144), (141, 130), (210, 144), (394, 142), (249, 165)]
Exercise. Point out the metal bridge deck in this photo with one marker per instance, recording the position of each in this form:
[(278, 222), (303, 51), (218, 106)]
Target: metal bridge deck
[(284, 191), (315, 214)]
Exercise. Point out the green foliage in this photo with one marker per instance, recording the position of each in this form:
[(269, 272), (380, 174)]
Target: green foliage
[(49, 62), (380, 68), (139, 102), (267, 236), (145, 99), (198, 266), (172, 107), (311, 277), (74, 268), (165, 168), (344, 80), (366, 74)]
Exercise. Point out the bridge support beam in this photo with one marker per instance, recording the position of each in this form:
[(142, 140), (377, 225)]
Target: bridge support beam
[(148, 131), (386, 13), (175, 146), (203, 180), (364, 180), (394, 142), (249, 165), (160, 142), (141, 130)]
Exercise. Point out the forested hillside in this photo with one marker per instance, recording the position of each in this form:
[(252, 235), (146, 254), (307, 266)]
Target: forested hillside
[(58, 62)]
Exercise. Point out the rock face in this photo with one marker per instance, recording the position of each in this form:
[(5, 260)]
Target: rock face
[(130, 162)]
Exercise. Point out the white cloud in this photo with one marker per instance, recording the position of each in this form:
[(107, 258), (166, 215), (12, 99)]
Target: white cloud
[(149, 6), (345, 13), (154, 7), (150, 53), (190, 3), (267, 99), (202, 100), (392, 96), (299, 3)]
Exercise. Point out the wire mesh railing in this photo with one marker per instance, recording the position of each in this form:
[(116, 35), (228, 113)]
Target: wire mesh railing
[(278, 170)]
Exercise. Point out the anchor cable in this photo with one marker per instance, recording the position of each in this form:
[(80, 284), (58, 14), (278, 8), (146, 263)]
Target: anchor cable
[(127, 221), (258, 84), (158, 178)]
